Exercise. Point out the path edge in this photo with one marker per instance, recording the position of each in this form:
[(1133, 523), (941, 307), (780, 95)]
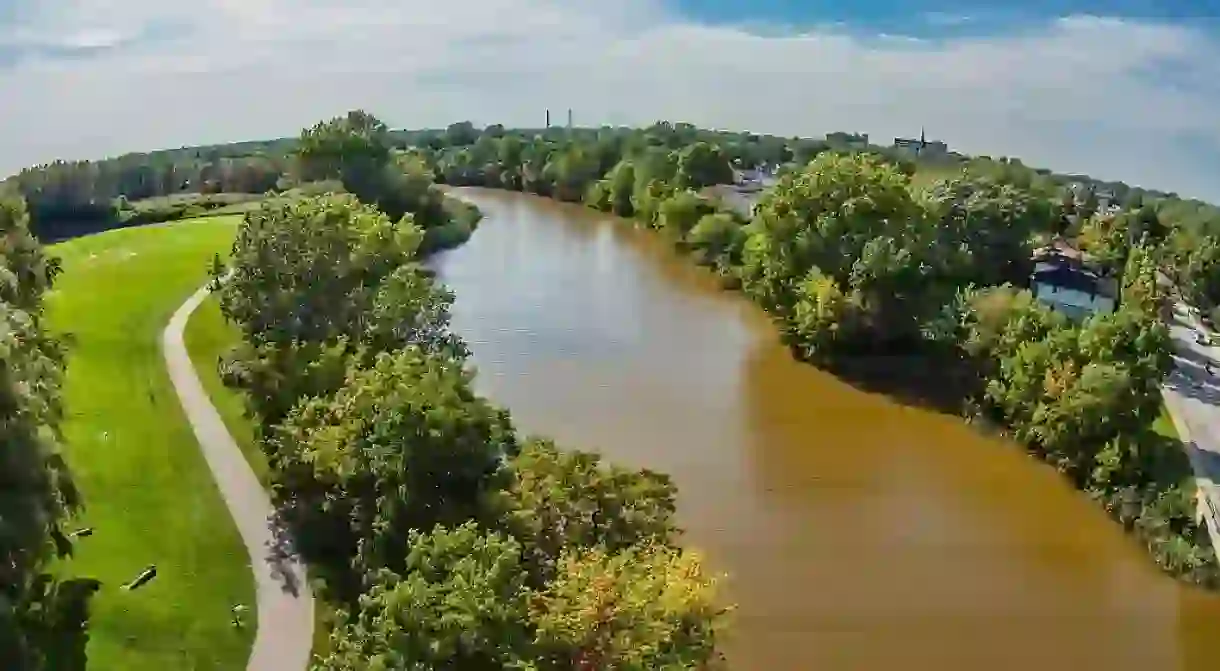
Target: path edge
[(283, 638)]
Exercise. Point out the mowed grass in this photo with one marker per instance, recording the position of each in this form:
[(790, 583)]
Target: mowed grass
[(1164, 425), (148, 493)]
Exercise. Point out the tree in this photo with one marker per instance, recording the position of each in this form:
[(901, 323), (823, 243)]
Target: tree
[(571, 171), (890, 288), (821, 319), (459, 602), (647, 198), (1066, 213), (357, 150), (37, 495), (315, 282), (309, 270), (620, 186), (982, 230), (403, 444), (679, 213), (822, 217), (719, 237), (1089, 205), (558, 500), (352, 148), (1199, 268), (702, 164), (1107, 238), (410, 309), (647, 607), (276, 375), (1147, 222), (461, 134), (509, 154)]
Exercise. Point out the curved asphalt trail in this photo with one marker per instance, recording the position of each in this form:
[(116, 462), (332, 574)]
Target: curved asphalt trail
[(285, 603)]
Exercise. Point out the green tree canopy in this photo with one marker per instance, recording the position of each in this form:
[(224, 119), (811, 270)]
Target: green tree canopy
[(562, 499), (403, 444), (459, 602), (36, 494), (702, 164)]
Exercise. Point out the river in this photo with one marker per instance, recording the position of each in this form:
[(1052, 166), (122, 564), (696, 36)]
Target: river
[(857, 533)]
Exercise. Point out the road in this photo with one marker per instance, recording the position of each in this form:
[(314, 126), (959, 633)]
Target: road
[(1192, 396), (285, 603)]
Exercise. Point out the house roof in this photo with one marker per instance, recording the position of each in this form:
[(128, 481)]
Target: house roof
[(1066, 277)]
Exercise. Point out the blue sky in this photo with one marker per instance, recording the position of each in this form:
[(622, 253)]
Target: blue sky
[(936, 17), (1121, 90)]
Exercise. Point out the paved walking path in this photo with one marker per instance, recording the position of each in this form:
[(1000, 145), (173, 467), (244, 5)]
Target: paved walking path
[(285, 603), (1192, 396)]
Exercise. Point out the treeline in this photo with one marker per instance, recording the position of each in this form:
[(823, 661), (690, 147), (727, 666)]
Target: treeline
[(561, 163), (65, 197), (80, 196), (441, 537), (42, 615), (859, 264)]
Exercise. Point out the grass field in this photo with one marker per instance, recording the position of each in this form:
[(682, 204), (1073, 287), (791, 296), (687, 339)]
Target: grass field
[(148, 493)]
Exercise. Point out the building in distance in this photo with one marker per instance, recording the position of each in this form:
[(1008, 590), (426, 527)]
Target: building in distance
[(920, 147)]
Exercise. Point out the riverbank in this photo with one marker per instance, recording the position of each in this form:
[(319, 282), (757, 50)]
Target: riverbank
[(1158, 513), (466, 477), (209, 338), (831, 509)]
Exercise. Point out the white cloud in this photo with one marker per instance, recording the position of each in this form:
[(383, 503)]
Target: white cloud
[(1077, 94)]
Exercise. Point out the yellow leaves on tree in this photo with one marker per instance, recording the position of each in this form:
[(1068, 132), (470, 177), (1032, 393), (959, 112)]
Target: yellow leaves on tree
[(649, 607)]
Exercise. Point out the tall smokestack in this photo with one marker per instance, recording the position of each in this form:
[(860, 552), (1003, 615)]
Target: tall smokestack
[(548, 118), (569, 118)]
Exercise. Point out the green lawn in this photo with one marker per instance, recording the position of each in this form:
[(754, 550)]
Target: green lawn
[(1164, 424), (148, 493)]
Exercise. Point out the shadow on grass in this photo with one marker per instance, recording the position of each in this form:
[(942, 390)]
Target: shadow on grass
[(53, 231), (282, 555), (67, 635), (1165, 459)]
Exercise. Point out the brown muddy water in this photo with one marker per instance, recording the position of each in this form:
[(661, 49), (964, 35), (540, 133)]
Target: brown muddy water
[(857, 533)]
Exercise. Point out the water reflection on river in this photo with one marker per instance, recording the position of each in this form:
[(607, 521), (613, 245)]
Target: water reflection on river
[(859, 534)]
